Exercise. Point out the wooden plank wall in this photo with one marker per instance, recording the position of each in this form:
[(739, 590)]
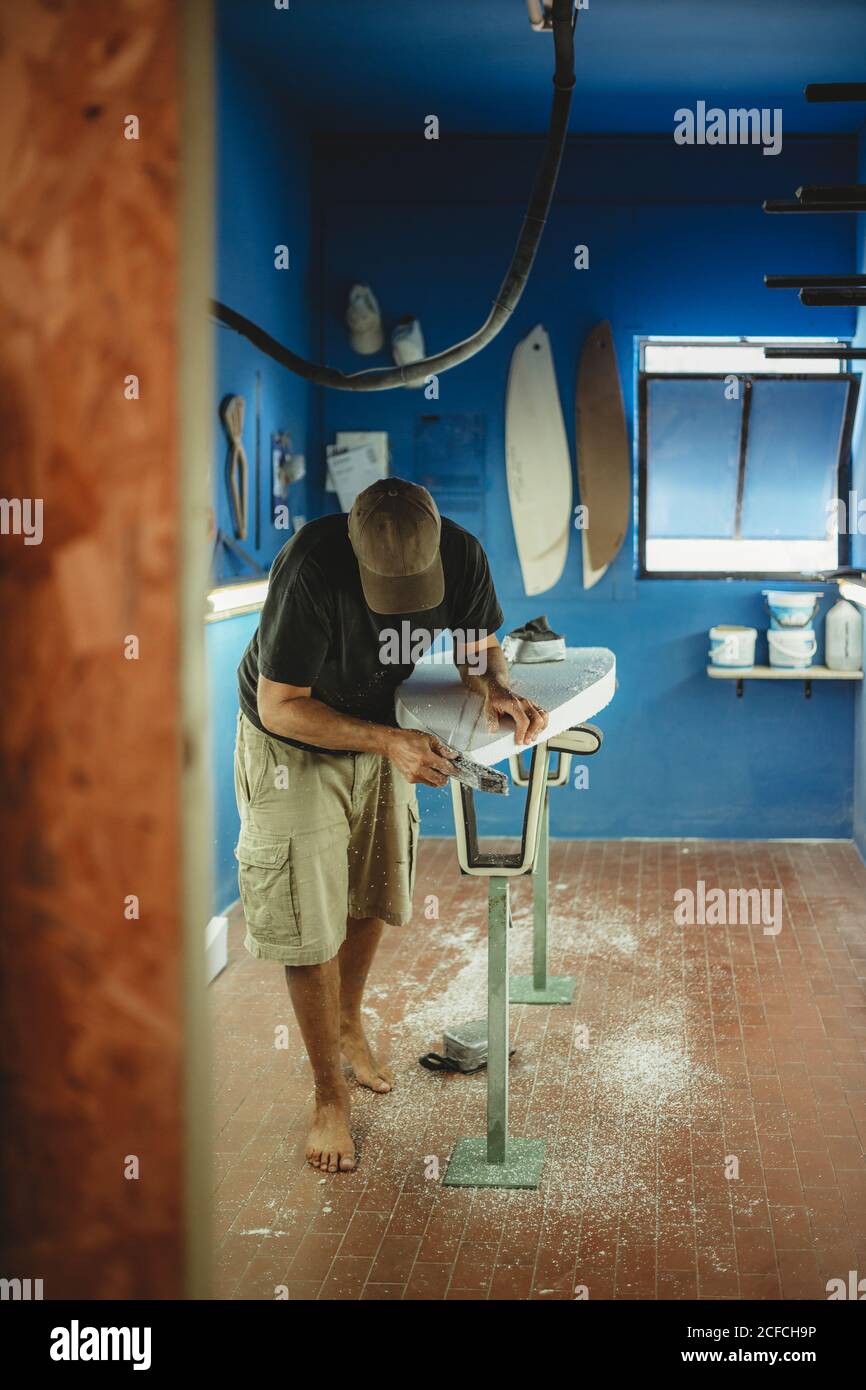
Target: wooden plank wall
[(90, 752)]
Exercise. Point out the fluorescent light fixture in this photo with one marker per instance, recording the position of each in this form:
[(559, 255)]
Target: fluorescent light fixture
[(718, 356), (237, 598), (854, 589), (737, 556)]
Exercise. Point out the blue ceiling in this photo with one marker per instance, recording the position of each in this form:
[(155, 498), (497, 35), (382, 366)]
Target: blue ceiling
[(383, 65)]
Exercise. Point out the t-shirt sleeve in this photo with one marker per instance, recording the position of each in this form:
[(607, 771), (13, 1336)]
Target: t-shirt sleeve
[(295, 627), (476, 607)]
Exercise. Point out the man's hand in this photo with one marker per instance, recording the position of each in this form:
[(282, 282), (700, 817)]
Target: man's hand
[(491, 683), (529, 719), (420, 757)]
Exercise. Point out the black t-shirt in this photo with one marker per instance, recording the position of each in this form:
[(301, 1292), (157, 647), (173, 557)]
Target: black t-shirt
[(316, 629)]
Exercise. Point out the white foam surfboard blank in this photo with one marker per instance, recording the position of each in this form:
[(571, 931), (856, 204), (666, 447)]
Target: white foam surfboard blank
[(572, 691), (538, 464)]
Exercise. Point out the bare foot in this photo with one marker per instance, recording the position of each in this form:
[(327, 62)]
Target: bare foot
[(360, 1056), (329, 1142)]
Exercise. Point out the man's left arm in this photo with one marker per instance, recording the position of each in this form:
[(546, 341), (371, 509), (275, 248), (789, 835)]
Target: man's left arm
[(484, 670)]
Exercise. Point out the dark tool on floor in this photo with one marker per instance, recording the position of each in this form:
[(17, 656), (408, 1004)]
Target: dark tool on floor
[(464, 1048), (563, 16)]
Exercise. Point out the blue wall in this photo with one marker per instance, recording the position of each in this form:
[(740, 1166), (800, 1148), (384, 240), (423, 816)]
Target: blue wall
[(263, 200), (678, 245)]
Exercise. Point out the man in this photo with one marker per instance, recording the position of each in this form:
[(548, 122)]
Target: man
[(325, 780)]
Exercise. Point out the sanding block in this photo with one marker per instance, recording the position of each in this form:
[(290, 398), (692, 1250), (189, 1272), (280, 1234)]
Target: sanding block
[(479, 778), (475, 775)]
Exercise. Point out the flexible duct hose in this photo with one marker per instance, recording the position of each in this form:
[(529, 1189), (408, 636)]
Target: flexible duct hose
[(512, 287)]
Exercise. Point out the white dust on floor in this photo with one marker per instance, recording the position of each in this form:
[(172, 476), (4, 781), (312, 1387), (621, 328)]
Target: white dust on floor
[(633, 1084), (455, 992)]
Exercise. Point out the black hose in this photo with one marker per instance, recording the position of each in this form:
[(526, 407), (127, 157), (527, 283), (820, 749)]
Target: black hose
[(512, 287)]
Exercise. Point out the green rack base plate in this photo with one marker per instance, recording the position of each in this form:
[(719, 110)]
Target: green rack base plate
[(469, 1167), (560, 990)]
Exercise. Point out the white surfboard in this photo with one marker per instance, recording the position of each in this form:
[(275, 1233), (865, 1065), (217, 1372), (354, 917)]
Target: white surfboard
[(572, 691), (538, 464)]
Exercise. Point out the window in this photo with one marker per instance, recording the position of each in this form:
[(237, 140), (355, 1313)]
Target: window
[(741, 458)]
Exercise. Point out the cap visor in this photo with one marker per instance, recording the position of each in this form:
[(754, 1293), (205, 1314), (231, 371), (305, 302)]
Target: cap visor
[(413, 593)]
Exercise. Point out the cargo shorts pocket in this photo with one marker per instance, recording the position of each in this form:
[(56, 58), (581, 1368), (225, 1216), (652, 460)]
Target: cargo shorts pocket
[(265, 883), (320, 881), (254, 757)]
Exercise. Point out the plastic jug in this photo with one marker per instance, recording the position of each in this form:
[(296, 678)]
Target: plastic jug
[(843, 637)]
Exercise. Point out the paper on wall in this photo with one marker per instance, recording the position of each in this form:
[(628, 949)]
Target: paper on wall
[(376, 439), (351, 470)]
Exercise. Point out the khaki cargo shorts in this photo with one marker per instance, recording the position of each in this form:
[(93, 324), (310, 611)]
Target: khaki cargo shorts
[(322, 837)]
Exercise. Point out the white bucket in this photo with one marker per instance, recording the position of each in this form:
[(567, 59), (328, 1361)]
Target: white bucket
[(732, 646), (796, 647), (791, 609)]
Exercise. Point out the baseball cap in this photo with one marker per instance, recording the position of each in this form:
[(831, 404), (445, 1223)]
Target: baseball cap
[(394, 527)]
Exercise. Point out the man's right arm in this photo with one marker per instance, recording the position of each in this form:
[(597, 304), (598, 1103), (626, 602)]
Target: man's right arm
[(290, 711)]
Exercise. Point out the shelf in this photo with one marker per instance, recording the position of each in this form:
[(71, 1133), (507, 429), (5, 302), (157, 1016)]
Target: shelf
[(781, 673), (806, 674)]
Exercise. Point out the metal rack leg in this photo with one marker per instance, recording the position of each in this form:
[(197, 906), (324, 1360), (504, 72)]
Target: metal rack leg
[(540, 895), (539, 987), (497, 1020), (497, 1160)]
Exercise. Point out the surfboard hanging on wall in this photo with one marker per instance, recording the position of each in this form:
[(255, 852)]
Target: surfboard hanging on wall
[(603, 461), (538, 464)]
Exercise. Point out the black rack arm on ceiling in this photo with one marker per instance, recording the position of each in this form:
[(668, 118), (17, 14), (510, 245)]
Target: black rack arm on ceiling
[(835, 91), (813, 282), (833, 298), (788, 205)]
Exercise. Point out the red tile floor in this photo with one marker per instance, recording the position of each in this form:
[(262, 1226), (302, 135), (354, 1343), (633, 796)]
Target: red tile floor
[(686, 1047)]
